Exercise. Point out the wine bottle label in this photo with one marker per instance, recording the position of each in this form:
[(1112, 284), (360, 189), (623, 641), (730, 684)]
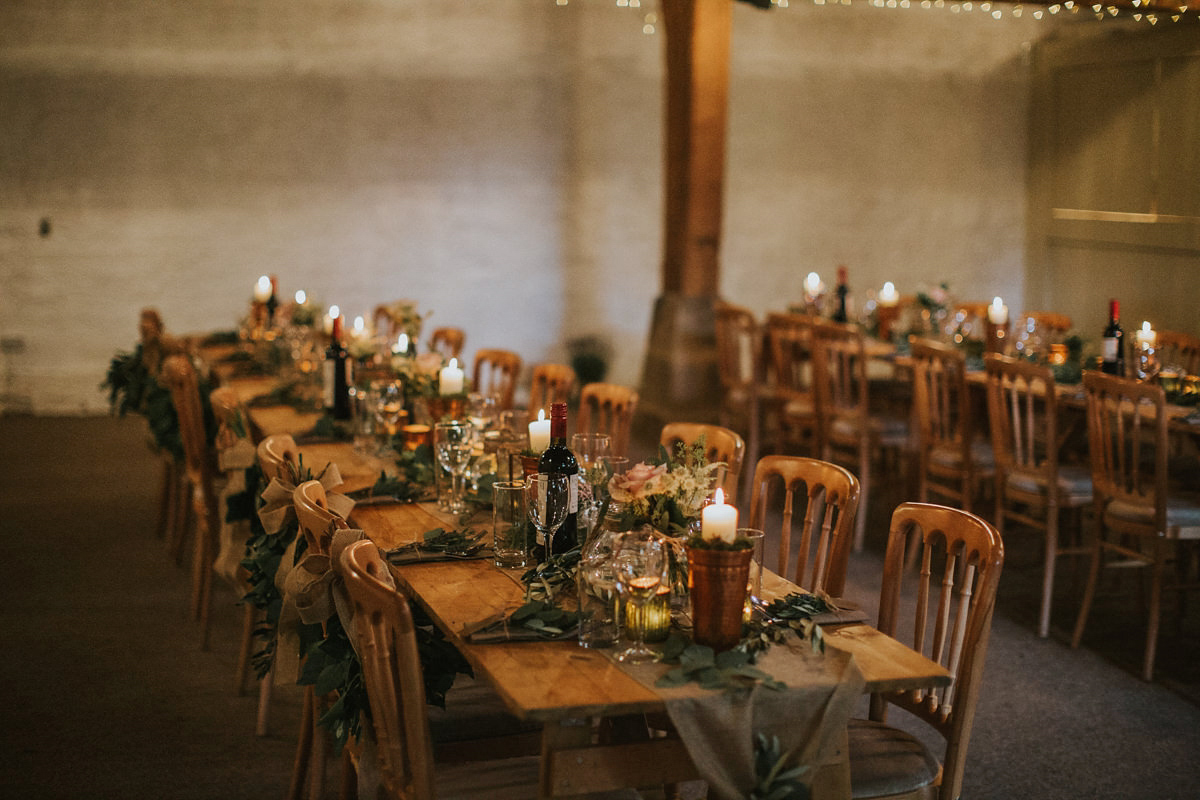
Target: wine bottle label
[(1109, 351), (573, 503), (327, 372)]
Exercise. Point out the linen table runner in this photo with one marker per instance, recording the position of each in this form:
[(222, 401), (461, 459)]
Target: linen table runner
[(719, 728)]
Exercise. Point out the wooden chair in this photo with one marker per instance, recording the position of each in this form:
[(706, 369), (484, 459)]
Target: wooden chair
[(608, 408), (847, 426), (199, 458), (1032, 487), (750, 401), (1179, 351), (173, 503), (448, 341), (830, 495), (955, 607), (953, 461), (495, 375), (789, 339), (387, 647), (552, 383), (278, 456), (1127, 437), (720, 444), (235, 454)]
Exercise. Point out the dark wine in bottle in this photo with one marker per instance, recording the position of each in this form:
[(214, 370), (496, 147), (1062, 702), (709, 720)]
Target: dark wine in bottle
[(840, 314), (1112, 357), (336, 374), (558, 459)]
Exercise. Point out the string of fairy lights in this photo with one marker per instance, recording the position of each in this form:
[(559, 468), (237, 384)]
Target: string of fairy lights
[(1137, 10)]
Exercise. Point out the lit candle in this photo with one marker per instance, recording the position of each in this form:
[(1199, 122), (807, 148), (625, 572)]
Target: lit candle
[(334, 311), (718, 521), (998, 312), (539, 432), (450, 380), (360, 328), (262, 289), (400, 348), (1147, 336), (301, 297), (888, 296), (812, 284)]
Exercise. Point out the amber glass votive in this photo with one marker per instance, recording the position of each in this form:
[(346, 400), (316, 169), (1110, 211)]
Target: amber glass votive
[(415, 436)]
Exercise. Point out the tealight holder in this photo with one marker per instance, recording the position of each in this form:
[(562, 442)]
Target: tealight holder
[(1146, 364)]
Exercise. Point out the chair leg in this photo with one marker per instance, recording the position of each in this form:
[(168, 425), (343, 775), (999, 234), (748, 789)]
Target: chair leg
[(320, 754), (1089, 591), (349, 786), (246, 648), (181, 521), (1156, 577), (300, 768), (860, 521), (265, 688), (1048, 574)]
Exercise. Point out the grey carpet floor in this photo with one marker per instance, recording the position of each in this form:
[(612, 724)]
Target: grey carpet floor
[(107, 694)]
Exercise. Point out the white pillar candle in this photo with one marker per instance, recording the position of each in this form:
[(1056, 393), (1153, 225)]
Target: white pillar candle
[(888, 296), (401, 346), (1147, 336), (539, 432), (812, 284), (360, 327), (718, 521), (450, 380), (998, 312), (262, 289)]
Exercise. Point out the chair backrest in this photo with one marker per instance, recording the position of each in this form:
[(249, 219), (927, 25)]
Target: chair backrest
[(316, 520), (278, 456), (1127, 442), (495, 375), (839, 374), (941, 397), (552, 383), (1050, 322), (608, 408), (180, 377), (1023, 417), (1179, 351), (386, 642), (830, 495), (953, 618), (790, 342), (720, 444), (448, 341), (739, 348)]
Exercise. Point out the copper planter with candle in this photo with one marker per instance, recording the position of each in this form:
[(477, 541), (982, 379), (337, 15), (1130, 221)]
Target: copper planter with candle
[(717, 582)]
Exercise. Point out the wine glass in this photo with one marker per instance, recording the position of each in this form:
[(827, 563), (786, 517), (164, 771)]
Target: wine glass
[(590, 449), (481, 411), (640, 566), (389, 408), (547, 496), (452, 442)]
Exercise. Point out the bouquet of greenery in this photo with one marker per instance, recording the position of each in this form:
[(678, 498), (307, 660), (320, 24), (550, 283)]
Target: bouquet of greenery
[(666, 493)]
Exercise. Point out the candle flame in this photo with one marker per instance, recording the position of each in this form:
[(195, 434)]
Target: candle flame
[(541, 415), (997, 302), (719, 497), (334, 312), (301, 297), (1146, 326), (454, 363)]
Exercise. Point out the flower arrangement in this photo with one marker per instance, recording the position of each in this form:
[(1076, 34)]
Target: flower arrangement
[(406, 318), (667, 494)]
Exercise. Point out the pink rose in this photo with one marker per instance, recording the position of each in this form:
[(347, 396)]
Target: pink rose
[(624, 488)]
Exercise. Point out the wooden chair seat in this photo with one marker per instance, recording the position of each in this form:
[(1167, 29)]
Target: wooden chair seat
[(950, 457), (1181, 513), (1074, 484), (888, 761), (889, 431)]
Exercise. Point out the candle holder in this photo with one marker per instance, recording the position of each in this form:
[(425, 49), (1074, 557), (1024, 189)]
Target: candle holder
[(995, 337), (447, 406), (717, 580), (885, 319), (1146, 366), (653, 618)]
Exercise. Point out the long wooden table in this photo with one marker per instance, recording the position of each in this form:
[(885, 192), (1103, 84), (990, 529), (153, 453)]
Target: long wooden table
[(561, 685)]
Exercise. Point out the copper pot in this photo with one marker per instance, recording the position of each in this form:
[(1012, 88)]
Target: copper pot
[(717, 581)]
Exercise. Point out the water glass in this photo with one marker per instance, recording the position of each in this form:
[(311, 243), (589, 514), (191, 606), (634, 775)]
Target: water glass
[(453, 442), (754, 584), (510, 524)]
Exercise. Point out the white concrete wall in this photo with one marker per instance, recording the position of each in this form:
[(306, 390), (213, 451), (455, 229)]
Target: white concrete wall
[(499, 161)]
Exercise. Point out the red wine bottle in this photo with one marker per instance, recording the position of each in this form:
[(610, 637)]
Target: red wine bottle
[(1112, 358), (558, 459), (840, 314), (336, 374)]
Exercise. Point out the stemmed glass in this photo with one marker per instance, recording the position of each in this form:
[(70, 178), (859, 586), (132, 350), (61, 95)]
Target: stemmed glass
[(640, 566), (389, 406), (547, 496), (452, 442), (590, 449)]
